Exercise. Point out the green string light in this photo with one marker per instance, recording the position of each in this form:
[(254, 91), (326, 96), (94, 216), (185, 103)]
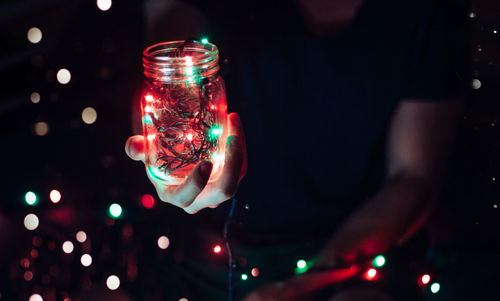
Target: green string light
[(204, 41), (435, 287), (244, 276), (301, 266), (148, 119), (215, 132), (379, 261)]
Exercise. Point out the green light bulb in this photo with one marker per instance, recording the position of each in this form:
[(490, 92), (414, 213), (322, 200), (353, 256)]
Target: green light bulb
[(435, 287), (379, 261), (244, 276), (214, 132), (301, 264), (204, 41)]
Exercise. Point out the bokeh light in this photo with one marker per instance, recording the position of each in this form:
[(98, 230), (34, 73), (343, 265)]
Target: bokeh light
[(301, 264), (55, 196), (147, 201), (30, 198), (183, 299), (89, 115), (63, 76), (25, 263), (163, 242), (35, 97), (426, 279), (104, 5), (244, 276), (41, 128), (475, 84), (217, 249), (34, 35), (81, 236), (255, 272), (36, 297), (113, 282), (34, 253), (435, 287), (379, 261), (67, 247), (86, 260), (28, 275), (204, 41), (115, 210), (370, 274), (31, 222)]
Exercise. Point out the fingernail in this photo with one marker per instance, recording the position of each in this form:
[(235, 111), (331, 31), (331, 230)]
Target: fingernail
[(205, 169)]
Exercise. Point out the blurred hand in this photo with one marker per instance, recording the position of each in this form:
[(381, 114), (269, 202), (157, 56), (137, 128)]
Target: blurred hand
[(195, 194)]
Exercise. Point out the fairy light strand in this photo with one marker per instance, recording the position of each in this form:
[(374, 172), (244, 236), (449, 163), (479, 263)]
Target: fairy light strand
[(185, 123)]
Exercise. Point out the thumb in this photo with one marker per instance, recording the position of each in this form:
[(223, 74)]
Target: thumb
[(135, 148)]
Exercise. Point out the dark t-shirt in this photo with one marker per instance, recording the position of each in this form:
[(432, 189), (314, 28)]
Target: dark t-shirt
[(316, 110), (316, 113)]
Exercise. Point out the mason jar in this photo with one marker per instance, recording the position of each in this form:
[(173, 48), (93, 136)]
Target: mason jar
[(184, 110)]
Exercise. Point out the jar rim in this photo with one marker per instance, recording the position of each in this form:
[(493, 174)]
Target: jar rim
[(162, 62)]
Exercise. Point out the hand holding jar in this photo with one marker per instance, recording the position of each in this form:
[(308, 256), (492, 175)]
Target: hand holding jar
[(193, 151)]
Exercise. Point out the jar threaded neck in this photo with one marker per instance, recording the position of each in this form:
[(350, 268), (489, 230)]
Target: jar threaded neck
[(164, 63)]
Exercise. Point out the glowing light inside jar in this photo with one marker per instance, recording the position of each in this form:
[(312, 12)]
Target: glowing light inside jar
[(148, 109), (159, 174), (149, 98)]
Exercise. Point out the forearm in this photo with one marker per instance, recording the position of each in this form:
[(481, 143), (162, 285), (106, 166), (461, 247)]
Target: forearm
[(393, 214)]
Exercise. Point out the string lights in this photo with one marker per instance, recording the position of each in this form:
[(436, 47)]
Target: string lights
[(184, 109)]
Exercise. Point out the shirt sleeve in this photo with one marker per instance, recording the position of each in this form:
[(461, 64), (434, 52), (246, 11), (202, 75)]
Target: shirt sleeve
[(439, 61)]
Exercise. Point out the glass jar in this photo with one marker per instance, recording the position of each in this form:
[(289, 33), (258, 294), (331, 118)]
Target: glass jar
[(184, 110)]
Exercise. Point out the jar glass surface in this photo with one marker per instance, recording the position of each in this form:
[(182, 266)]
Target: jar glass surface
[(184, 110)]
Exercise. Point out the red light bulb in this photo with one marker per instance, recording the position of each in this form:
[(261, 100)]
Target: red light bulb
[(425, 279), (370, 274), (217, 249)]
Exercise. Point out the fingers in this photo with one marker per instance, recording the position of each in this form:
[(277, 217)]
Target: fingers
[(226, 185), (183, 195), (135, 148), (236, 129)]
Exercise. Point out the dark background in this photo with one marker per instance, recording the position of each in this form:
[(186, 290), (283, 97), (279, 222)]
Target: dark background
[(87, 163)]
